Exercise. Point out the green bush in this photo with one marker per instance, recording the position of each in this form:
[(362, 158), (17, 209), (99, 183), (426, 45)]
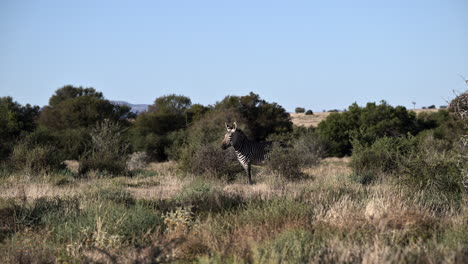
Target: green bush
[(155, 131), (421, 163), (383, 156), (309, 112), (311, 148), (433, 166), (285, 162), (366, 124), (299, 110), (35, 158), (15, 120)]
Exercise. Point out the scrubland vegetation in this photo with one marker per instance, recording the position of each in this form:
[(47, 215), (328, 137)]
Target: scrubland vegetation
[(83, 180)]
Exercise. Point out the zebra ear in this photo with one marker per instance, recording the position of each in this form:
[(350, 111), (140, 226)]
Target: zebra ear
[(227, 127), (235, 125)]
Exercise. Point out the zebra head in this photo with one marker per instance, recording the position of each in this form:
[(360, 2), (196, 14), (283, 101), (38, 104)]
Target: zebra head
[(227, 141)]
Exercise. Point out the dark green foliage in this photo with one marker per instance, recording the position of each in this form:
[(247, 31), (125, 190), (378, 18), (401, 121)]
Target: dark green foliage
[(196, 112), (178, 140), (431, 107), (108, 153), (442, 125), (173, 104), (70, 92), (78, 112), (365, 124), (72, 111), (262, 118), (152, 130), (14, 120), (299, 110), (76, 107), (309, 112)]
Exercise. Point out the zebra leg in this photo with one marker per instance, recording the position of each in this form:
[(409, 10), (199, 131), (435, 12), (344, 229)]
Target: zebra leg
[(248, 170), (249, 173)]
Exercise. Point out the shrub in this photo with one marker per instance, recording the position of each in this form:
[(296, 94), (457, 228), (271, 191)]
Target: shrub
[(431, 107), (137, 161), (285, 162), (383, 156), (309, 112), (212, 161), (299, 110), (35, 158), (109, 151), (433, 167), (14, 119), (152, 130), (366, 124), (310, 148)]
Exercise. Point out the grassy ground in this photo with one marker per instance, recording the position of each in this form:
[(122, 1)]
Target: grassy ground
[(161, 216)]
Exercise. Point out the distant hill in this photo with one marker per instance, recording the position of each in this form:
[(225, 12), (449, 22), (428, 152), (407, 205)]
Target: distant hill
[(136, 108)]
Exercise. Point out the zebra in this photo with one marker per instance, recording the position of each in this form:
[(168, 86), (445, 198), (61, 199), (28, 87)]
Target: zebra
[(248, 152)]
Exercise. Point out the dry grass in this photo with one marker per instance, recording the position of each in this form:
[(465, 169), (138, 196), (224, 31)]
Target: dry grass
[(300, 119), (324, 218)]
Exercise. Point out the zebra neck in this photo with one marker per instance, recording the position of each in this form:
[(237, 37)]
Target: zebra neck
[(241, 145)]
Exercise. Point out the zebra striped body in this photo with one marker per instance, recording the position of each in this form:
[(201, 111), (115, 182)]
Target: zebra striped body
[(248, 152)]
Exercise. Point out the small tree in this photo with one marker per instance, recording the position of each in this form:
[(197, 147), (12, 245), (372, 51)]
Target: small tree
[(14, 120), (169, 113), (300, 110), (262, 118), (108, 152), (309, 112)]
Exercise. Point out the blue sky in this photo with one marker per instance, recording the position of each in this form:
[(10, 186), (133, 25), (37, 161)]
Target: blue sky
[(315, 54)]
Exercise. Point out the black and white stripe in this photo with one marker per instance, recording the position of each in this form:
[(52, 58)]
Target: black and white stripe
[(248, 152)]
